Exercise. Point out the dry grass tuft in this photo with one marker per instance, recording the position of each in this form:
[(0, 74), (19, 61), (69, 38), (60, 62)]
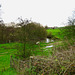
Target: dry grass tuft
[(61, 63)]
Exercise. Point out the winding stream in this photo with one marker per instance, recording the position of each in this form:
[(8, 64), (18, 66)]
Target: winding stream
[(48, 41)]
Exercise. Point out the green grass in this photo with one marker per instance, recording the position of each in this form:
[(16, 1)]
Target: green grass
[(4, 61), (56, 32), (41, 50), (6, 50), (9, 71), (35, 49)]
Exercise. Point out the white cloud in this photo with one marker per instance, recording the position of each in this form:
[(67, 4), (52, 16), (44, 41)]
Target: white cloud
[(50, 12)]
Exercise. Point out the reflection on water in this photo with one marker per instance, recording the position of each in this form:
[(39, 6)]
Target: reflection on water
[(48, 40), (49, 46)]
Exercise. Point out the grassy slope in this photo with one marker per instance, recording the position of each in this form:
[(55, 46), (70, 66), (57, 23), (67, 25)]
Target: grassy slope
[(56, 32)]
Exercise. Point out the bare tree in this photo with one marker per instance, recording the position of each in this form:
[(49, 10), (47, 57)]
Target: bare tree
[(23, 24), (71, 20), (1, 26)]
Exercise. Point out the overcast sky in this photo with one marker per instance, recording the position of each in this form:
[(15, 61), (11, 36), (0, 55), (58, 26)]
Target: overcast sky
[(46, 12)]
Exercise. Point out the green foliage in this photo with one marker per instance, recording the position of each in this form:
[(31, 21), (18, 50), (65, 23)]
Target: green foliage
[(33, 50), (20, 50), (34, 32), (7, 34), (30, 33), (46, 27), (69, 32), (1, 32), (49, 35)]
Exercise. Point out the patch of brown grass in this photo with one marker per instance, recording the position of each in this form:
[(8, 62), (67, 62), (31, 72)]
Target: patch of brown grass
[(61, 63)]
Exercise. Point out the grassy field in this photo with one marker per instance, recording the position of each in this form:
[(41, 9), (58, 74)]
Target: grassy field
[(6, 50), (56, 32)]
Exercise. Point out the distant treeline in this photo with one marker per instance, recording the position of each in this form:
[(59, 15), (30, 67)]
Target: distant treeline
[(31, 32)]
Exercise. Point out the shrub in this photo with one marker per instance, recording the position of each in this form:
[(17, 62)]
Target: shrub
[(30, 33), (69, 31), (49, 35), (35, 32)]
